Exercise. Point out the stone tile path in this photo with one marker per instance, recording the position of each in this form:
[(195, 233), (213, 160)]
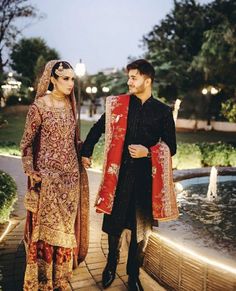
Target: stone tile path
[(88, 275)]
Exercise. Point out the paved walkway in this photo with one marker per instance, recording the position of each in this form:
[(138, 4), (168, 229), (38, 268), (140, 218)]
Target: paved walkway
[(88, 275)]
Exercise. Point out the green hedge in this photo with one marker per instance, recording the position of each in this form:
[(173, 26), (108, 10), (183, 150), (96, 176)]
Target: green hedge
[(9, 148), (8, 196), (189, 155), (215, 154), (204, 155)]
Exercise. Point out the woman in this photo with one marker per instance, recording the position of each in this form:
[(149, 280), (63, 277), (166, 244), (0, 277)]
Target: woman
[(56, 232)]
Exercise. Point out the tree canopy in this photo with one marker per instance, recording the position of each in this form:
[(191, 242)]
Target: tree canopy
[(10, 11), (28, 57), (194, 45)]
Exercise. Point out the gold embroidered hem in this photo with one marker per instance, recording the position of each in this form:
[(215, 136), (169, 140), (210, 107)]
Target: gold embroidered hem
[(54, 237), (48, 267)]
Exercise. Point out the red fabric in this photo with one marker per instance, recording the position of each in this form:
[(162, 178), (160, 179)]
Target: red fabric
[(118, 123), (163, 196), (164, 205)]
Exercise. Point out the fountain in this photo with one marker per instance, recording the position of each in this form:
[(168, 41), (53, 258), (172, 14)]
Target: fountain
[(212, 188), (198, 251), (176, 109)]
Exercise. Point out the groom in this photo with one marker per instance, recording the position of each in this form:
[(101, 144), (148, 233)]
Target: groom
[(133, 125)]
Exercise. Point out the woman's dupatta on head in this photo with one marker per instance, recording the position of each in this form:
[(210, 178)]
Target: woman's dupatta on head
[(82, 218)]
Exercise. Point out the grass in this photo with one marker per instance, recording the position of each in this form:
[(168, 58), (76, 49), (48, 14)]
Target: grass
[(10, 136), (13, 131)]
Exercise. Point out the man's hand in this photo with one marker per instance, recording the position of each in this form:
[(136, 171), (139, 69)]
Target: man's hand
[(138, 151), (86, 162)]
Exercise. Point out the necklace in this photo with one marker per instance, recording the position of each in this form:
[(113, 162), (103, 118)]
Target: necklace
[(61, 99), (58, 97)]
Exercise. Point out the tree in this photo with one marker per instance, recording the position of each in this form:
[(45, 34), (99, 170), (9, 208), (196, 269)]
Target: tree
[(172, 45), (29, 55), (193, 46), (10, 11), (217, 57)]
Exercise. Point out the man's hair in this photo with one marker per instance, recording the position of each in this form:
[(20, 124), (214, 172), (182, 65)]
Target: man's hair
[(144, 68)]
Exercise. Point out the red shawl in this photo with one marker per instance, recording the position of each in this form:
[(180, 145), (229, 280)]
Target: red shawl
[(164, 206)]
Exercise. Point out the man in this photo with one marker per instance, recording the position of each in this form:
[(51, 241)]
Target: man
[(134, 124)]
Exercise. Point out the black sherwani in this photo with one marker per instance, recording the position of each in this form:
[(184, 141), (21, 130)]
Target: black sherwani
[(147, 123)]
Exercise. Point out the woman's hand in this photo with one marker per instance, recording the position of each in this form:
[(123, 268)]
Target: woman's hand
[(138, 151), (86, 162), (34, 175)]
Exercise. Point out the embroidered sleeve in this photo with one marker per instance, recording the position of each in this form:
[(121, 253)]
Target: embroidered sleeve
[(33, 121)]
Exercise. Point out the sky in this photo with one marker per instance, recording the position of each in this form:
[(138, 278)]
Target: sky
[(102, 33)]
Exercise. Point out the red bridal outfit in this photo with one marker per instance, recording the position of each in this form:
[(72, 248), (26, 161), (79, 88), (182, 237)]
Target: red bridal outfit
[(56, 232)]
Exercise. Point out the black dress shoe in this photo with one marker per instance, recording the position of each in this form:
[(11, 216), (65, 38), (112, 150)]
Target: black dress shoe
[(108, 275), (134, 284)]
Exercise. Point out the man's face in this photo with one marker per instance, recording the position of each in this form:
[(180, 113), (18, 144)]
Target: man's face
[(137, 83)]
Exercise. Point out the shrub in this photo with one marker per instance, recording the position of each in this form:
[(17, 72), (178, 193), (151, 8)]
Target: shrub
[(8, 195), (188, 156), (17, 100), (232, 157), (9, 148), (228, 110), (215, 154), (12, 100)]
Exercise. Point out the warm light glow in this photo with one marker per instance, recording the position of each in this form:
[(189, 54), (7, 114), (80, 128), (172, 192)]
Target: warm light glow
[(31, 89), (6, 231), (89, 90), (186, 250), (10, 74), (214, 91), (80, 69), (105, 89), (94, 90), (204, 91)]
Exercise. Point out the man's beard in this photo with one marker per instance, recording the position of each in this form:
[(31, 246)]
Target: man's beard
[(137, 90)]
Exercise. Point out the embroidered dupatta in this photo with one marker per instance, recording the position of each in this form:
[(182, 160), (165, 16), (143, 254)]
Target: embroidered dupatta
[(164, 206)]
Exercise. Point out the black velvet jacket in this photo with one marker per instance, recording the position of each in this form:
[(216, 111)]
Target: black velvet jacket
[(147, 124)]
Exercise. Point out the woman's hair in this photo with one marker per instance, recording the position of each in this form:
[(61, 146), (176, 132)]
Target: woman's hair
[(144, 68), (64, 64)]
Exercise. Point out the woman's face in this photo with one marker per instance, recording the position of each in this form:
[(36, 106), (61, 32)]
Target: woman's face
[(65, 83)]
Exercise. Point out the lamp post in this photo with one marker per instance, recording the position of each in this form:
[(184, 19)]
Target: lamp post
[(80, 71), (91, 91), (105, 90), (209, 92)]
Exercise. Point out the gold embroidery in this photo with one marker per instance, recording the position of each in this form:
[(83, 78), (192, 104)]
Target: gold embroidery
[(58, 166), (113, 170)]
